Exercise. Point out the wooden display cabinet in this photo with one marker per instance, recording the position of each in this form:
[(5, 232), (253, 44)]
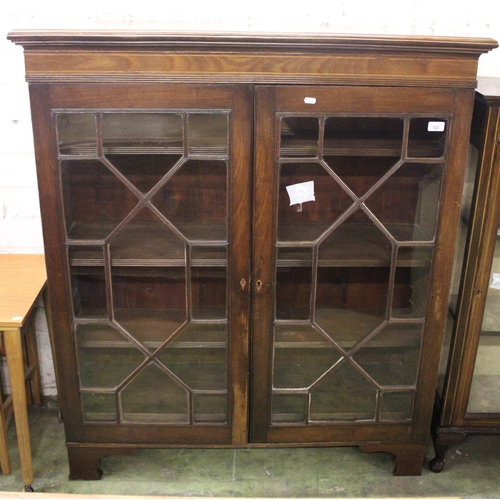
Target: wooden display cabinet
[(468, 400), (249, 238)]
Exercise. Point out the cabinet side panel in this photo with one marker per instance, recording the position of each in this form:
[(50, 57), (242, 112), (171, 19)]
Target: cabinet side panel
[(55, 256), (446, 238), (455, 371), (472, 305)]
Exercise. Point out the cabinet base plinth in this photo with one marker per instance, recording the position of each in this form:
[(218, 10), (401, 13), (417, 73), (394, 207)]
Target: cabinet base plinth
[(408, 458), (84, 461)]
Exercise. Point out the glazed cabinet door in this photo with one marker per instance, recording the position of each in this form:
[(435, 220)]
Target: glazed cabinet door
[(152, 185), (351, 188)]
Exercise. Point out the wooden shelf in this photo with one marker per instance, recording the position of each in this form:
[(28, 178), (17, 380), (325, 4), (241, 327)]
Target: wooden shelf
[(89, 150), (155, 418), (352, 326), (152, 328), (351, 245), (297, 147), (144, 245), (160, 325)]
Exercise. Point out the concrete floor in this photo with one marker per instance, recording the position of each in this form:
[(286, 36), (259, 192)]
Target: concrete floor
[(472, 470)]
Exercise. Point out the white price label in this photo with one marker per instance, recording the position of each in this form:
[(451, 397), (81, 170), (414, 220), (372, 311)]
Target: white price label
[(435, 126), (310, 100), (300, 193)]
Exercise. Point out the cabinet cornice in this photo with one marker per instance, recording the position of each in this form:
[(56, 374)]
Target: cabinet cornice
[(111, 56)]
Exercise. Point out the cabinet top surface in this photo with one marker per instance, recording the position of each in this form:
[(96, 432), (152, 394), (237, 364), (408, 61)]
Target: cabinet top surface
[(22, 277), (246, 40)]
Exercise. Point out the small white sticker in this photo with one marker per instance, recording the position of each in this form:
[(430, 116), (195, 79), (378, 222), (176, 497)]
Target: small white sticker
[(310, 100), (17, 318), (300, 193), (435, 126)]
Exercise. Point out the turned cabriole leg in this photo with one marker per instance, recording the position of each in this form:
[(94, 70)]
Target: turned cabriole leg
[(442, 441)]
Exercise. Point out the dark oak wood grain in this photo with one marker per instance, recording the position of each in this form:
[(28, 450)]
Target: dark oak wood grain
[(177, 264), (240, 57)]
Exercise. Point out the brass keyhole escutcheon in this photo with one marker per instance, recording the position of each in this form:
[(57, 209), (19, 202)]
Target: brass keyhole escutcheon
[(243, 283), (258, 285)]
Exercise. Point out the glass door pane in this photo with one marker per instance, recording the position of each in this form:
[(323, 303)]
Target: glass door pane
[(358, 198), (484, 394), (458, 263), (146, 211)]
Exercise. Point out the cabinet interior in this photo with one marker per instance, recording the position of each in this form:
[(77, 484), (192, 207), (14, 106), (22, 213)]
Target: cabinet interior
[(145, 197)]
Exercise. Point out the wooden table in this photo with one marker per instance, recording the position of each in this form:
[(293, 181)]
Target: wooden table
[(22, 280)]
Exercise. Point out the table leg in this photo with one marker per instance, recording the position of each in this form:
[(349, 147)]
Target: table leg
[(4, 450), (14, 355), (34, 384)]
